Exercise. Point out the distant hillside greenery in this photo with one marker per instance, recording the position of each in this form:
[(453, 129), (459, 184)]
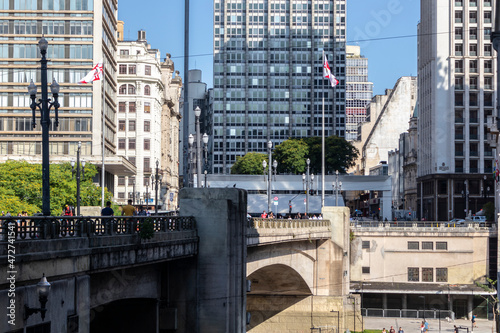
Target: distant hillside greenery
[(21, 187)]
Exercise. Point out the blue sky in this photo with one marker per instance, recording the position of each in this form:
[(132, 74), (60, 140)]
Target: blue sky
[(389, 58)]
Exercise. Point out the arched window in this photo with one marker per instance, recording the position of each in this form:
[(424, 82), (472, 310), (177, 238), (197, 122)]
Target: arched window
[(123, 89), (131, 89), (147, 90)]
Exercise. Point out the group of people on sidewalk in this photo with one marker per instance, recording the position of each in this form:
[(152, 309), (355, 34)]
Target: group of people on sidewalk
[(127, 210), (392, 330), (265, 215)]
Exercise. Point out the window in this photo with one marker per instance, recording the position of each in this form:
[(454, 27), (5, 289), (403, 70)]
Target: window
[(458, 17), (121, 195), (458, 49), (123, 52), (122, 106), (147, 144), (131, 69), (121, 125), (365, 245), (487, 66), (146, 165), (427, 246), (131, 125), (473, 50), (442, 274), (131, 89), (147, 107), (121, 180), (146, 180), (458, 33), (131, 107), (147, 70), (487, 49), (365, 270), (473, 66), (131, 181), (123, 69), (131, 143), (121, 143), (413, 246), (147, 90), (441, 245), (473, 17), (131, 159), (413, 275), (147, 126), (427, 274), (123, 89)]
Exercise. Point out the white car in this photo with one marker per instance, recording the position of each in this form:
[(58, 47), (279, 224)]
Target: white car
[(476, 218)]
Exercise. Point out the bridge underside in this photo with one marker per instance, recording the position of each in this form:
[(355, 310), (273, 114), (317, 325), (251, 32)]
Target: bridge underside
[(278, 279)]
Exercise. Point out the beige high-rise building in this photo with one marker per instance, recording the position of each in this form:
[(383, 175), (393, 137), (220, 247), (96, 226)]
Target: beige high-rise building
[(80, 34), (148, 124), (456, 66)]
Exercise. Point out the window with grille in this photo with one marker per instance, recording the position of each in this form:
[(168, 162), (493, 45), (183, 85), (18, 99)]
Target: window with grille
[(442, 274), (131, 180), (121, 125), (147, 90), (427, 246), (441, 245), (131, 89), (365, 245), (123, 69), (147, 70), (147, 126), (131, 125), (122, 107), (131, 159), (413, 246), (413, 274), (131, 143), (365, 270), (131, 69), (121, 180), (427, 274), (131, 107), (146, 164), (147, 144), (121, 143), (121, 195), (123, 89)]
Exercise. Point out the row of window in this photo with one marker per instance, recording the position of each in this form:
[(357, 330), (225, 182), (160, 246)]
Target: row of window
[(122, 107), (427, 274), (129, 89), (47, 5), (132, 125), (132, 143), (132, 69)]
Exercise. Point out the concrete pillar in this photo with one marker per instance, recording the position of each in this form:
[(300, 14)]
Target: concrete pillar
[(220, 215), (384, 301), (404, 301), (470, 305), (386, 205)]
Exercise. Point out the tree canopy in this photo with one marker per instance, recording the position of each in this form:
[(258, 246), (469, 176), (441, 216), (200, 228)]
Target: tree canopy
[(21, 187), (250, 164), (291, 156), (339, 154)]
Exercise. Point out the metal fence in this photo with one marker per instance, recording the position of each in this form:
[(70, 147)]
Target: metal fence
[(408, 313), (419, 224), (43, 227)]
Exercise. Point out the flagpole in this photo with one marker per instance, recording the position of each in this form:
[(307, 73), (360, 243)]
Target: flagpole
[(103, 139), (323, 145)]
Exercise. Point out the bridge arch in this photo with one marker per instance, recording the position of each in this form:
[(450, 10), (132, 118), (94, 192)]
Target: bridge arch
[(278, 279)]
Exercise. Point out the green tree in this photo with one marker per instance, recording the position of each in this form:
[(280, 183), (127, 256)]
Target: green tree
[(489, 211), (339, 154), (291, 156), (21, 187), (250, 164)]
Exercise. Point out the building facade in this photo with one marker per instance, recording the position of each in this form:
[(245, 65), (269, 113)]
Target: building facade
[(359, 91), (148, 124), (456, 96), (80, 33), (268, 74)]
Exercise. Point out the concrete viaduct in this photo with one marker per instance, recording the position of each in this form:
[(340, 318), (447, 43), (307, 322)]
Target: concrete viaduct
[(209, 270)]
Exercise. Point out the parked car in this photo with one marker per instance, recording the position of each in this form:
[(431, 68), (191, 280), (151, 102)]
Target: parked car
[(476, 218), (456, 222)]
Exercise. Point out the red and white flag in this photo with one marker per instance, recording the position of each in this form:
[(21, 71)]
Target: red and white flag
[(94, 75), (327, 73)]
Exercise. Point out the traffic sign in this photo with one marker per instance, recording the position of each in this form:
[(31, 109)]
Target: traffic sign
[(275, 198)]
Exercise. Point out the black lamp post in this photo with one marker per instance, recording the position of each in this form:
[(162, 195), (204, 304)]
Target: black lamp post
[(156, 180), (42, 289), (78, 176), (44, 105)]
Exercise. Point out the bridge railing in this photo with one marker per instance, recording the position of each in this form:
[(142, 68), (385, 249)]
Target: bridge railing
[(421, 224), (49, 227), (261, 223)]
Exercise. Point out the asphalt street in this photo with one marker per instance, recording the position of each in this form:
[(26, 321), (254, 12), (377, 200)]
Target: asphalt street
[(412, 325)]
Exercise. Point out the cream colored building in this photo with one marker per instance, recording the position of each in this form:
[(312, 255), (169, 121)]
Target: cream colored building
[(402, 266), (148, 123)]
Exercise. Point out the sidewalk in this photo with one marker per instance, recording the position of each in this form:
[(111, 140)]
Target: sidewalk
[(412, 325)]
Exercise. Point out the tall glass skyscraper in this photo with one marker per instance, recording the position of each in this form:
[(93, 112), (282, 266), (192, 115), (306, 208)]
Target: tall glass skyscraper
[(268, 73)]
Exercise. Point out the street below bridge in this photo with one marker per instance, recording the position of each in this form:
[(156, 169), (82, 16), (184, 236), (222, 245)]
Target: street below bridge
[(412, 325)]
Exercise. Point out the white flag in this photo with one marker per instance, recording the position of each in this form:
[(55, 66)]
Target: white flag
[(94, 75)]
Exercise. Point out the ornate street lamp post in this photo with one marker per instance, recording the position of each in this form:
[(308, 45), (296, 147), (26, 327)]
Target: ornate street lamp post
[(197, 113), (269, 173), (78, 175), (44, 105), (337, 186), (157, 179)]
